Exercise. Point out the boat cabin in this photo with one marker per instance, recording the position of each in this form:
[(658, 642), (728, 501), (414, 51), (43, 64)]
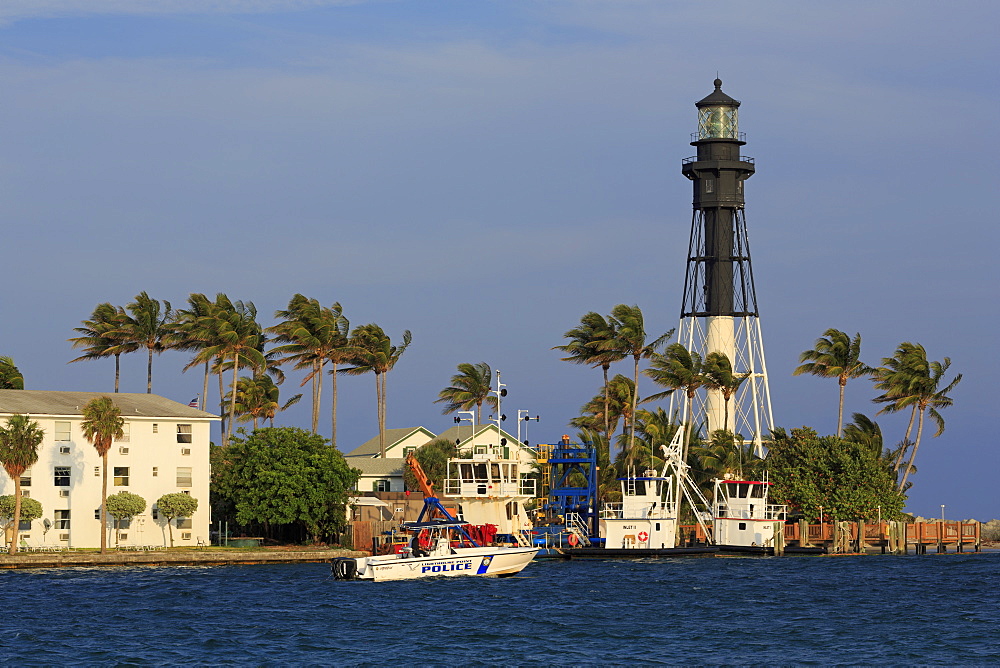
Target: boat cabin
[(743, 516), (645, 518)]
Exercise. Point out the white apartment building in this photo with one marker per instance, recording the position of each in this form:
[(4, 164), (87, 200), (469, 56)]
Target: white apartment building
[(165, 449)]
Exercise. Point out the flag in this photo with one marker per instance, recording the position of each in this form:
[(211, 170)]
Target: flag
[(193, 403)]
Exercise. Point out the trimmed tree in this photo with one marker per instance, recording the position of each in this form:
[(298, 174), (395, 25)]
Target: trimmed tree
[(847, 479), (176, 505), (27, 509), (124, 506), (281, 476), (19, 442)]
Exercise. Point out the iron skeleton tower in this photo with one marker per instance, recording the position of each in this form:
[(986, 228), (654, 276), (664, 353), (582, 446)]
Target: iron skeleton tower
[(719, 311)]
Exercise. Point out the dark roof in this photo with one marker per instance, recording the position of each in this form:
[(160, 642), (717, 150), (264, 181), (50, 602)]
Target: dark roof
[(48, 402), (717, 98), (370, 448), (377, 466)]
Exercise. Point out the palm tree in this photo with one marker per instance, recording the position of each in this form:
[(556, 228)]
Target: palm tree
[(337, 353), (372, 351), (237, 337), (257, 399), (590, 344), (653, 429), (191, 332), (612, 404), (630, 341), (312, 335), (679, 369), (10, 376), (102, 424), (724, 453), (899, 377), (19, 442), (103, 336), (838, 356), (146, 325), (719, 376), (910, 380), (469, 387)]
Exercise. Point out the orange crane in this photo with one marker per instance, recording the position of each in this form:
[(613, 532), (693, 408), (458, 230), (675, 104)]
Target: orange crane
[(426, 486)]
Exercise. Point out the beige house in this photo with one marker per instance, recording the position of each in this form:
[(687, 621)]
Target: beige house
[(386, 474), (164, 449)]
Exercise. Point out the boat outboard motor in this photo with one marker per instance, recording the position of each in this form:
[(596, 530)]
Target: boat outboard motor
[(345, 569)]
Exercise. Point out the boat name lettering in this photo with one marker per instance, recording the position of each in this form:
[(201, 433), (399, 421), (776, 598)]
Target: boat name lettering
[(444, 568)]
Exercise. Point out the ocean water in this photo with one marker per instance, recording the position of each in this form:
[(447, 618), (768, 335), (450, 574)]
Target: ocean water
[(933, 609)]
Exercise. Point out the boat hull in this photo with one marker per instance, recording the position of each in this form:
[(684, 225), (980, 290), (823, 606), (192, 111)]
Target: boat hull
[(472, 561), (639, 553)]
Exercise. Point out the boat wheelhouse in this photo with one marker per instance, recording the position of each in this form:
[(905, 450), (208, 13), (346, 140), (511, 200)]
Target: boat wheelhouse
[(492, 489), (744, 519), (644, 523)]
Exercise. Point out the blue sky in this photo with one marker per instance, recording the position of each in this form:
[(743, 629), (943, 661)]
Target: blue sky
[(483, 173)]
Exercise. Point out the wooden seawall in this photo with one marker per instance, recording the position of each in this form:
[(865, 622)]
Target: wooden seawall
[(886, 537)]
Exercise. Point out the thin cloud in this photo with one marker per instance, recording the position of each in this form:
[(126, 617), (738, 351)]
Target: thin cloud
[(15, 10)]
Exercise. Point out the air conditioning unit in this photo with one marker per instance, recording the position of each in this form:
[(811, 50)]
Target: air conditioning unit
[(63, 449), (123, 536), (186, 535), (64, 493), (123, 450), (185, 451), (25, 493), (64, 536)]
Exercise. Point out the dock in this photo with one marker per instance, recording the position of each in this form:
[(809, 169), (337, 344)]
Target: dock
[(165, 557)]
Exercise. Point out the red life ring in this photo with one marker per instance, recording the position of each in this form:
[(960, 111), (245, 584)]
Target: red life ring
[(424, 539), (643, 536), (573, 540)]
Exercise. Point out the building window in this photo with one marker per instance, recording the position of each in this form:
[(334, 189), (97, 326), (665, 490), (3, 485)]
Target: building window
[(97, 513), (97, 471), (125, 433), (61, 476), (156, 512), (26, 481), (184, 523), (742, 526), (156, 471), (62, 519), (121, 476), (381, 486), (156, 428), (709, 185), (407, 450), (24, 525), (183, 433), (183, 476), (62, 431)]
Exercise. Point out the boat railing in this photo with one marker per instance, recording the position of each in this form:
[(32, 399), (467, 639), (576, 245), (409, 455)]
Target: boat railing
[(621, 511), (769, 512), (481, 487)]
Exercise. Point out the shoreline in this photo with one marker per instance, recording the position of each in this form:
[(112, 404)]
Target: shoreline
[(171, 558)]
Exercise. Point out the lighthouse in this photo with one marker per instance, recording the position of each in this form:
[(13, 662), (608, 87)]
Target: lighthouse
[(719, 309)]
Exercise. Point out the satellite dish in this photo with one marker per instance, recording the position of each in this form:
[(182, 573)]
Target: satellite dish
[(503, 392), (47, 523)]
